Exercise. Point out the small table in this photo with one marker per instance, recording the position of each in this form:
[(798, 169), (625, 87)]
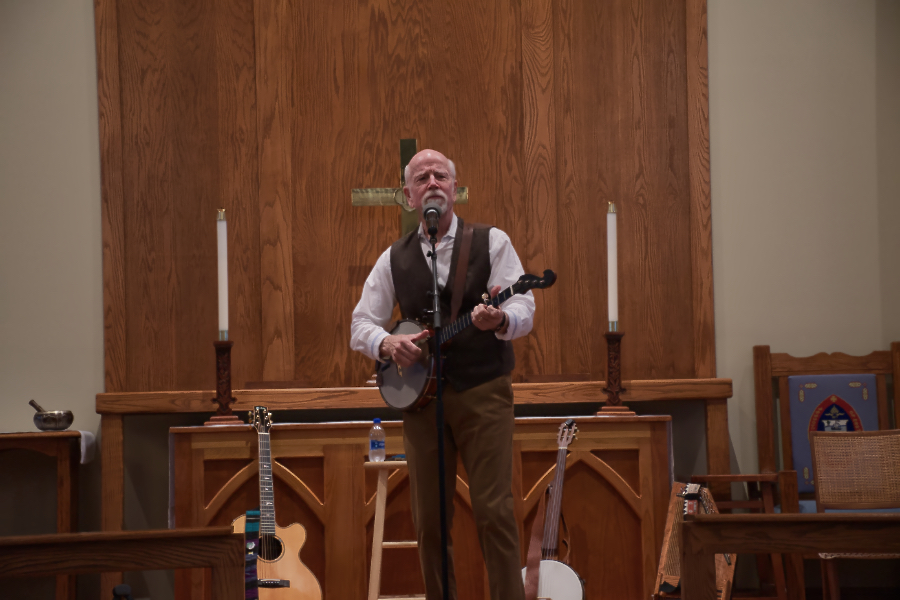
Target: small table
[(65, 446)]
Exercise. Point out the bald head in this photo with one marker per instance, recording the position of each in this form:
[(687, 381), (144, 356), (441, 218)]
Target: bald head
[(421, 155)]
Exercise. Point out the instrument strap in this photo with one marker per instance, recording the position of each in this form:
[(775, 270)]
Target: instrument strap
[(251, 554), (565, 539), (533, 562), (462, 267)]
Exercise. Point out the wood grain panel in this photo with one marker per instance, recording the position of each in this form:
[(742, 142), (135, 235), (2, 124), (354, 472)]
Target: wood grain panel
[(147, 60), (377, 83), (654, 212), (275, 110), (238, 188), (540, 178), (697, 65), (582, 195), (135, 403), (345, 567), (706, 535), (193, 196), (274, 66), (112, 195), (344, 137), (837, 362), (610, 532), (784, 407), (718, 456), (112, 492), (765, 409)]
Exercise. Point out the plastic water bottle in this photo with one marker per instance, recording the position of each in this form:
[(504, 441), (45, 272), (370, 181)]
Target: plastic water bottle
[(376, 442)]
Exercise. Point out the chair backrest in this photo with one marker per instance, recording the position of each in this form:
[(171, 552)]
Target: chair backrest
[(856, 470), (771, 367)]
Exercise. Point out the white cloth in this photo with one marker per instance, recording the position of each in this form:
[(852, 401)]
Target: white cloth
[(373, 312), (88, 446)]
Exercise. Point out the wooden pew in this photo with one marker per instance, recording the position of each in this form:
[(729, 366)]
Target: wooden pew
[(62, 554), (704, 536)]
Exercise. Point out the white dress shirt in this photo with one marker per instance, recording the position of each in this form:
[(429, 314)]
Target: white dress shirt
[(376, 305)]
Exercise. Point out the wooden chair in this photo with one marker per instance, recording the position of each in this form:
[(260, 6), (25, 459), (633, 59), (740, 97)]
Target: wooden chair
[(768, 366), (765, 490), (854, 470)]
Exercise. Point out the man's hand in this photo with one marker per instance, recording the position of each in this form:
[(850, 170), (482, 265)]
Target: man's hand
[(485, 317), (402, 349)]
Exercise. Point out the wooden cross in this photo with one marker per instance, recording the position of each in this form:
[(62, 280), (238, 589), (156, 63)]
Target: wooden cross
[(409, 218)]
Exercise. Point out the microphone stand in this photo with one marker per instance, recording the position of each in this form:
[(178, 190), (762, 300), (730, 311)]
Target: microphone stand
[(439, 409)]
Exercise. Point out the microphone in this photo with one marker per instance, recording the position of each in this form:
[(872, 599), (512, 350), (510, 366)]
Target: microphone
[(432, 213)]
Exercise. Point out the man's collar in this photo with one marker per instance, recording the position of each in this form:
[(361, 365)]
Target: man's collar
[(451, 233)]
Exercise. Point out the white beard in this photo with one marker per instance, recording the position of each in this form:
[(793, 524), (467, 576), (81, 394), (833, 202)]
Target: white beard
[(438, 197)]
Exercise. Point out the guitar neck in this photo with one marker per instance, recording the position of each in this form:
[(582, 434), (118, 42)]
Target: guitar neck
[(464, 321), (266, 493), (550, 545)]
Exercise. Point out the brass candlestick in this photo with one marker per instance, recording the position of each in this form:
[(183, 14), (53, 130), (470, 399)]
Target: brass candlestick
[(614, 387), (223, 398)]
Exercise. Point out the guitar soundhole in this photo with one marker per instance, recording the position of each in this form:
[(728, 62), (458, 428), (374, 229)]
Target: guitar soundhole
[(270, 547)]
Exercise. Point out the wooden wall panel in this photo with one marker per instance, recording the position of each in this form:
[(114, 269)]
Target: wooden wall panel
[(654, 212), (106, 24), (194, 175), (276, 110), (540, 178), (146, 63), (238, 191), (697, 63), (274, 66), (376, 85)]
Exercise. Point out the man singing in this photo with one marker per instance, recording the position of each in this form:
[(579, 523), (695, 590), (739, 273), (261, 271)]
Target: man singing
[(478, 399)]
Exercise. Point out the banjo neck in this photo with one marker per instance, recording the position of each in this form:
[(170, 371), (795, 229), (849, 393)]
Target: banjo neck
[(465, 320), (550, 545)]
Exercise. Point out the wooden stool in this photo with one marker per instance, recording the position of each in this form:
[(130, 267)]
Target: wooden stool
[(378, 543)]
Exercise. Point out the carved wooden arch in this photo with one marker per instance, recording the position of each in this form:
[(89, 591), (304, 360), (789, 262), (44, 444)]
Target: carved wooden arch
[(621, 486), (241, 477), (398, 477)]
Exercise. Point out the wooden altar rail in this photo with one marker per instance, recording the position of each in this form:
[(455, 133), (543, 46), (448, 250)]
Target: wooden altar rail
[(214, 547), (114, 407), (704, 536)]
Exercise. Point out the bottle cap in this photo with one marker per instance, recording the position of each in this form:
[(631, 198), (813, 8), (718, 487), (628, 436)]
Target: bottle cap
[(377, 421)]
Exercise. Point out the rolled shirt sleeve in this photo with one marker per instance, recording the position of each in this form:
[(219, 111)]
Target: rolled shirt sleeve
[(373, 312), (505, 271)]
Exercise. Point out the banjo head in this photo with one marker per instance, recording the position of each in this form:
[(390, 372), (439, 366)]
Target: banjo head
[(403, 387)]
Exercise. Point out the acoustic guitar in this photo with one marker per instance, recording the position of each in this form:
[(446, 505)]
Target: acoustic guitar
[(557, 580), (411, 388), (280, 573)]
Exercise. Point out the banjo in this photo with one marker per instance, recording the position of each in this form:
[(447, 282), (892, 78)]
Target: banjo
[(411, 388), (556, 579)]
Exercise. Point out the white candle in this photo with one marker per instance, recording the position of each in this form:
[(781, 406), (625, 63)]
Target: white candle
[(222, 256), (612, 271)]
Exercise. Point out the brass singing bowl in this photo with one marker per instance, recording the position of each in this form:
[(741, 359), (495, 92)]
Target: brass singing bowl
[(53, 420)]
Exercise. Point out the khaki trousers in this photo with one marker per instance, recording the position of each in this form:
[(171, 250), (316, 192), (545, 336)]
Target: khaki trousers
[(478, 428)]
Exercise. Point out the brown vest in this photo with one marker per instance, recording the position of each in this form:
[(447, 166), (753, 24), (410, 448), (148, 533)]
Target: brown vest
[(473, 356)]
